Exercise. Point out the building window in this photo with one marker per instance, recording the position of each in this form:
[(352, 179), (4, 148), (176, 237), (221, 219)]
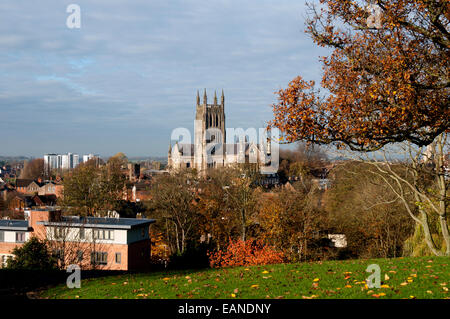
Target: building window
[(2, 236), (80, 256), (82, 233), (4, 260), (99, 258), (118, 258), (59, 254), (59, 233), (20, 237), (104, 234)]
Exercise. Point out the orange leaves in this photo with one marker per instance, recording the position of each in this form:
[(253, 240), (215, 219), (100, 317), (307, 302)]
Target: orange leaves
[(249, 252), (397, 72)]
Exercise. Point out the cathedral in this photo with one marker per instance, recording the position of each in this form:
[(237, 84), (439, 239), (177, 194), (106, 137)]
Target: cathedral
[(210, 148)]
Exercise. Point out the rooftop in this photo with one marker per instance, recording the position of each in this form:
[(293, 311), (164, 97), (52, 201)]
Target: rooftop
[(99, 222), (14, 225)]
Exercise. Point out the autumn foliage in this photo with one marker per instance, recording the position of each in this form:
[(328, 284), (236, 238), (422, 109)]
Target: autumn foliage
[(379, 85), (245, 253)]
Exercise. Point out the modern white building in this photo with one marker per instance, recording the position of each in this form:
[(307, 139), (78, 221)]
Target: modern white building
[(65, 161)]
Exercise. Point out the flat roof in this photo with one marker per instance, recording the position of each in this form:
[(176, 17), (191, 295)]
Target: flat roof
[(6, 224), (99, 222)]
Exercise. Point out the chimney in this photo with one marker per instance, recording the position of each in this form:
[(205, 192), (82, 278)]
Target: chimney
[(40, 215)]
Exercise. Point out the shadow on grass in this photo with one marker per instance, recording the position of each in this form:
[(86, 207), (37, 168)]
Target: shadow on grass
[(14, 284)]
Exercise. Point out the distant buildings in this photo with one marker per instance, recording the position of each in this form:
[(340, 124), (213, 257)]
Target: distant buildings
[(210, 148), (65, 161), (91, 242)]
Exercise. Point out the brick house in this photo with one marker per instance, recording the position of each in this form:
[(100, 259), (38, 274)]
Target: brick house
[(90, 242), (22, 185), (19, 202), (13, 233), (48, 188), (51, 188)]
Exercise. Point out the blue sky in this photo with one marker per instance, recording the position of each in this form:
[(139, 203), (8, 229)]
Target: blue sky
[(129, 75)]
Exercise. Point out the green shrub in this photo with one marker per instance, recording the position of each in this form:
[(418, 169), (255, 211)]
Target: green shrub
[(33, 255)]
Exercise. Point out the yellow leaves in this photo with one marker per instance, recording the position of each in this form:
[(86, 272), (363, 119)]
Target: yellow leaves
[(445, 288), (381, 294), (166, 279), (403, 284), (386, 277), (265, 272), (233, 295), (348, 286), (310, 297), (316, 279), (384, 286), (254, 286)]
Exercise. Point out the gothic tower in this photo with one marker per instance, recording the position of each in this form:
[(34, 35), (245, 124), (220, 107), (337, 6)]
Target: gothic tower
[(209, 128)]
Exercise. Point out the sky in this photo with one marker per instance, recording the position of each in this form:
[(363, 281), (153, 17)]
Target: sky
[(129, 75)]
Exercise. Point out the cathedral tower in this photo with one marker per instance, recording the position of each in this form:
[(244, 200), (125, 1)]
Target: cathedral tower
[(209, 128)]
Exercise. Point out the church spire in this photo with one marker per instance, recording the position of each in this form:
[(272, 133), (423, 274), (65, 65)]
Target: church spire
[(204, 98), (222, 99), (198, 98), (215, 98)]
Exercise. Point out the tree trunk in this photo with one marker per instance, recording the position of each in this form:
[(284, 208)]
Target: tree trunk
[(244, 230), (442, 193)]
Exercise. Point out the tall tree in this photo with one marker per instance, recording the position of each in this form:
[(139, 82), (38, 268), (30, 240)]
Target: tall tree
[(174, 204), (91, 190), (33, 169), (384, 85), (386, 81)]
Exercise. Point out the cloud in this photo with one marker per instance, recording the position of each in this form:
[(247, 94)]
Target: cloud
[(130, 74)]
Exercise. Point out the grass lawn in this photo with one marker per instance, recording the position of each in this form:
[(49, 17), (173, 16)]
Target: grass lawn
[(424, 277)]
